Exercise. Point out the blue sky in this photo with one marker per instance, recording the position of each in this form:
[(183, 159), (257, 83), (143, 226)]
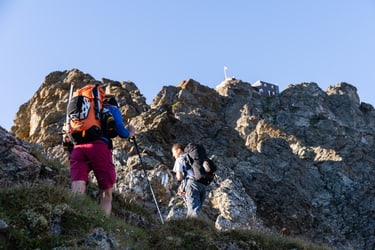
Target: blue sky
[(159, 43)]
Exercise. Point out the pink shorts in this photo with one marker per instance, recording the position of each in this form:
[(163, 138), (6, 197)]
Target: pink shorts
[(95, 156)]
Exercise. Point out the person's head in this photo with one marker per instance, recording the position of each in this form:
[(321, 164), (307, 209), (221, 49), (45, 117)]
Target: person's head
[(110, 100), (177, 150)]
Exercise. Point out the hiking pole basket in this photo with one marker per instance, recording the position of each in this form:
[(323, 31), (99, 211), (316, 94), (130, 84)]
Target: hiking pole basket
[(146, 175)]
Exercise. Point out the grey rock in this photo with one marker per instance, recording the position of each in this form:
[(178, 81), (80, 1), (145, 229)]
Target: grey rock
[(301, 163)]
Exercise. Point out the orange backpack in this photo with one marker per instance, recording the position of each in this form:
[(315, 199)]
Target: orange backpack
[(84, 112)]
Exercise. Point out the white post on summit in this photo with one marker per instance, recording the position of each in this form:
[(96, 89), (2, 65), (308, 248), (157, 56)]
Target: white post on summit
[(225, 72)]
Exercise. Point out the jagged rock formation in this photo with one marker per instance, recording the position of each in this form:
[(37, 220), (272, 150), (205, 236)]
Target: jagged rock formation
[(17, 163), (40, 120), (300, 163)]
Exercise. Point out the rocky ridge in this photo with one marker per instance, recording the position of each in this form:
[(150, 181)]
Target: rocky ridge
[(300, 163)]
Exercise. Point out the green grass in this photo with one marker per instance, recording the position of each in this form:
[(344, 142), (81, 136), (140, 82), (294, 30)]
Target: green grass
[(197, 234), (32, 210), (269, 241), (184, 234)]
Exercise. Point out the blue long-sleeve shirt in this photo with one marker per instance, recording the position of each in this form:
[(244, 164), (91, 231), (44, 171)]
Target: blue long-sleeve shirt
[(122, 131)]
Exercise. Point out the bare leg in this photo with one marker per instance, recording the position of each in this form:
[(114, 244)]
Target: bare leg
[(106, 200), (79, 187)]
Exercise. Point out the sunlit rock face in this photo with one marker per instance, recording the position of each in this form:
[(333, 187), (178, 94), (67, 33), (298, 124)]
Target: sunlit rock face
[(300, 163)]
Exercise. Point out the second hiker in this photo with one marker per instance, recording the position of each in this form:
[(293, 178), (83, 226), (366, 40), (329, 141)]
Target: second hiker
[(194, 192)]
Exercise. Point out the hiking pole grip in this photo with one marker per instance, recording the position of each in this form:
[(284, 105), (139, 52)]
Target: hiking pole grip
[(146, 176)]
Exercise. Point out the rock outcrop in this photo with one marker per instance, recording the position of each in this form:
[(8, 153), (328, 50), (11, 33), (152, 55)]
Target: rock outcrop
[(301, 163), (17, 163)]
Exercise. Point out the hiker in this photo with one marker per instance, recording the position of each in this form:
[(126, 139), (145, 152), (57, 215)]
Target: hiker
[(193, 192), (94, 153)]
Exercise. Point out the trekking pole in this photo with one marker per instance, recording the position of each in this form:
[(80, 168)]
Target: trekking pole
[(67, 106), (144, 170), (67, 120)]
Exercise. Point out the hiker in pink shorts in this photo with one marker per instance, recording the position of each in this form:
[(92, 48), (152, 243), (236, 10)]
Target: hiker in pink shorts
[(96, 155)]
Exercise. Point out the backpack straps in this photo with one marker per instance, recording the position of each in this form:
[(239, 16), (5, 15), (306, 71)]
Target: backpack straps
[(97, 107), (185, 168), (187, 164)]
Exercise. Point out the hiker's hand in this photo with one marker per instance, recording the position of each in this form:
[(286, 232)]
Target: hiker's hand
[(131, 130), (66, 138), (182, 194), (67, 144)]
